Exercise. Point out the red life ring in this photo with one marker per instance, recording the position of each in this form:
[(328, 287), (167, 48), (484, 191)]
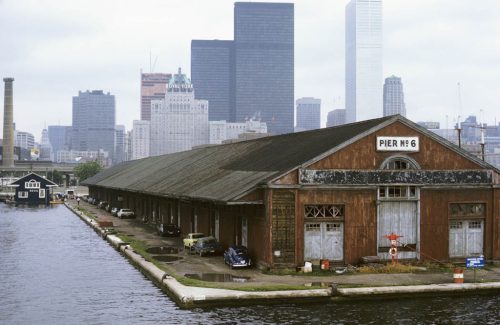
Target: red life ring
[(393, 251)]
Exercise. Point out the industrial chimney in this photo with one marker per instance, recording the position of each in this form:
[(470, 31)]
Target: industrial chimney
[(8, 124)]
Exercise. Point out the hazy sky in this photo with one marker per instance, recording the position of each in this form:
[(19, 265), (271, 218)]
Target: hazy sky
[(54, 48)]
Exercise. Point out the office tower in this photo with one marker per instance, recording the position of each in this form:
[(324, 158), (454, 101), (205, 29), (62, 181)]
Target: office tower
[(363, 70), (178, 122), (8, 124), (45, 147), (212, 75), (24, 140), (252, 76), (140, 139), (120, 138), (264, 63), (308, 113), (93, 122), (335, 117), (394, 100), (153, 87), (59, 137)]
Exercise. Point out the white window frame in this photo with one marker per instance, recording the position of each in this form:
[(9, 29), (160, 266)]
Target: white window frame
[(41, 193), (22, 194), (32, 184)]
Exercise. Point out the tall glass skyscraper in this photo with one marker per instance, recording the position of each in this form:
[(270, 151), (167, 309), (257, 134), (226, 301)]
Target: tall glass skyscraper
[(264, 58), (212, 75), (93, 122), (308, 113), (394, 100), (363, 70), (252, 76)]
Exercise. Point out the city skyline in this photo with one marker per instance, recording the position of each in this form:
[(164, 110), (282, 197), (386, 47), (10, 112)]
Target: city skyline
[(68, 47)]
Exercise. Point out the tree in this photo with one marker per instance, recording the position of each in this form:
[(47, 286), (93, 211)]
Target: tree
[(55, 176), (87, 170)]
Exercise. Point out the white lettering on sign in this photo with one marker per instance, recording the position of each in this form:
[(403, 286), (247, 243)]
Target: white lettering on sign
[(397, 144)]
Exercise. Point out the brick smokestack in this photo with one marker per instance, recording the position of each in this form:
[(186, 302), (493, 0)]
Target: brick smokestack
[(8, 125)]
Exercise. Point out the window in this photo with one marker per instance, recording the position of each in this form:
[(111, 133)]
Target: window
[(22, 194), (313, 227), (475, 224), (32, 184), (456, 225), (333, 227), (324, 211), (404, 192), (399, 163), (467, 210), (41, 193)]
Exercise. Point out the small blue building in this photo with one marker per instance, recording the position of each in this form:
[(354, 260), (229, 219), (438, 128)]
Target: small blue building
[(33, 189)]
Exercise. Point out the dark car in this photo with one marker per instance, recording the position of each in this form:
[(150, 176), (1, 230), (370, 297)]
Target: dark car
[(102, 205), (237, 256), (207, 245), (114, 211), (169, 230)]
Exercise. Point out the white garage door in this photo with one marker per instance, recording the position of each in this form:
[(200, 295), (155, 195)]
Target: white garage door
[(324, 240), (400, 218), (466, 238)]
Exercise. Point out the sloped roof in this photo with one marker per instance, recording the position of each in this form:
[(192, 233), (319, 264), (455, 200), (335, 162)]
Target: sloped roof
[(223, 173), (41, 179)]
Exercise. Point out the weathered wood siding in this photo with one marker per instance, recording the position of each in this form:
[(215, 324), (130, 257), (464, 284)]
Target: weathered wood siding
[(363, 154), (360, 222), (435, 216)]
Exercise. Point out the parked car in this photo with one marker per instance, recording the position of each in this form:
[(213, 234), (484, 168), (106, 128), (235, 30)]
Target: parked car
[(102, 205), (237, 256), (208, 245), (191, 238), (170, 230), (125, 213), (108, 207), (114, 211)]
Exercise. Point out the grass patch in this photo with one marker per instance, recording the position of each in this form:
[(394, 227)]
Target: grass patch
[(86, 212)]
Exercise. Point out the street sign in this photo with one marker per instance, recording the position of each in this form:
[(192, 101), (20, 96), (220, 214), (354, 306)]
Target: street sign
[(474, 262)]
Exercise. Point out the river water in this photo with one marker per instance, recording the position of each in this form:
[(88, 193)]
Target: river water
[(56, 270)]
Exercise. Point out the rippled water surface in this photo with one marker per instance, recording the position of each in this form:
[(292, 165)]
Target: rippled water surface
[(56, 270)]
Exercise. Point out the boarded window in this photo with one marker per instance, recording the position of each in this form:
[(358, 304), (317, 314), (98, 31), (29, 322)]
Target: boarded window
[(319, 211), (467, 210)]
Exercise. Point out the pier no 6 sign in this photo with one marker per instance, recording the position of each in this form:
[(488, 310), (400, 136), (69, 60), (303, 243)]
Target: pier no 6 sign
[(397, 144)]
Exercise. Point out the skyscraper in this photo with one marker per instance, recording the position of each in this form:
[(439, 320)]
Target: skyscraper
[(140, 140), (93, 122), (212, 75), (252, 76), (178, 122), (153, 87), (264, 63), (59, 137), (363, 70), (120, 138), (394, 101), (335, 117), (308, 113)]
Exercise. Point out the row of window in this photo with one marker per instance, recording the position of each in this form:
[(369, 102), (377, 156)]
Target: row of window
[(25, 194)]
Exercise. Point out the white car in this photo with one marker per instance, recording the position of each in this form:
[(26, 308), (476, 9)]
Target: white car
[(125, 213)]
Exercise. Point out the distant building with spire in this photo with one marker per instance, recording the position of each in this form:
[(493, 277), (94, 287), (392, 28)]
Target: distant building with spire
[(179, 121)]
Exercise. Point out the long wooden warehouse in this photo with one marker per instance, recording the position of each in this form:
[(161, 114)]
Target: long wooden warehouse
[(333, 193)]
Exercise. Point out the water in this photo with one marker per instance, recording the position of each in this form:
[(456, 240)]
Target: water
[(56, 270)]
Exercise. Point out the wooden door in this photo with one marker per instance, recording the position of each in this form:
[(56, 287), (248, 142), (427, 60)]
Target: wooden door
[(400, 218)]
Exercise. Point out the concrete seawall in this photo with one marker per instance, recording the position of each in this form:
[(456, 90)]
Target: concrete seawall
[(187, 296)]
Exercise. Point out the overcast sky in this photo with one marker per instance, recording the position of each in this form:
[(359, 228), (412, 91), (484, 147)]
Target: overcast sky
[(54, 48)]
